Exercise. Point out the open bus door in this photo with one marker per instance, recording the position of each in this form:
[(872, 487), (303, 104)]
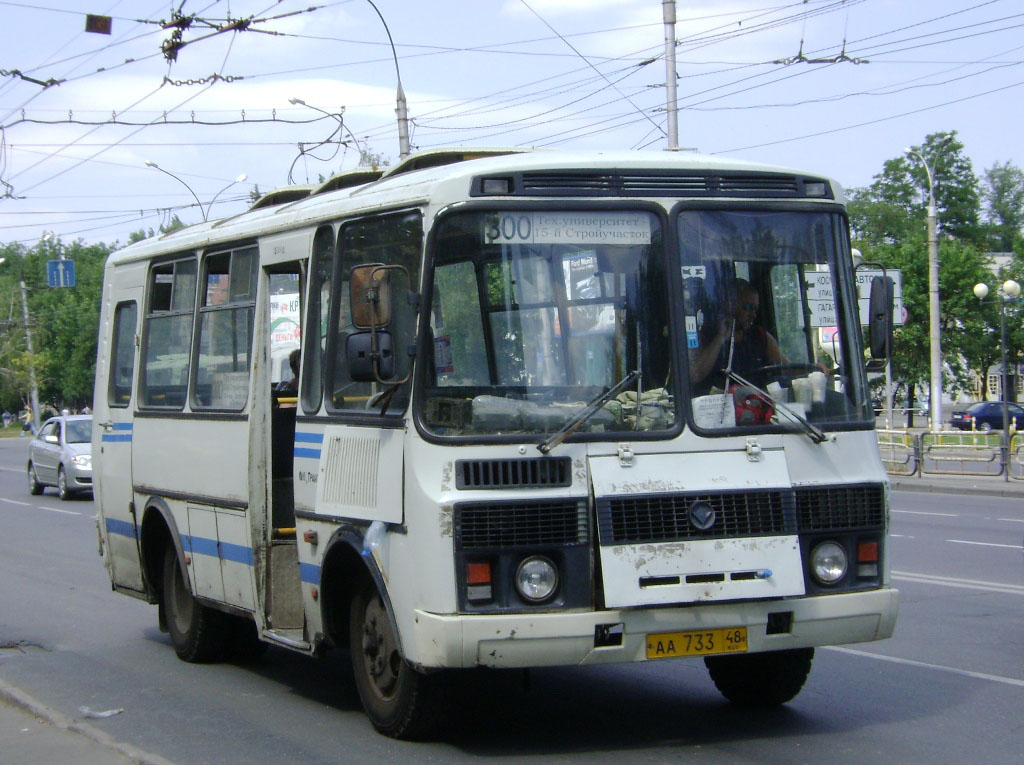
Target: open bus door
[(113, 408)]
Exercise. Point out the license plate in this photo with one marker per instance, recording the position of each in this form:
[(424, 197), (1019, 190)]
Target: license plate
[(665, 645)]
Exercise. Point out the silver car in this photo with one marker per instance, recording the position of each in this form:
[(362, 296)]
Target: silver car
[(60, 455)]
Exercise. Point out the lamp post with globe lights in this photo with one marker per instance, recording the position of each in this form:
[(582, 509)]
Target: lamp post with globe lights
[(935, 403), (1009, 291)]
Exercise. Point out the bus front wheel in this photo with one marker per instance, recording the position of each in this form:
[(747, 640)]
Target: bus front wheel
[(197, 631), (400, 702), (761, 679)]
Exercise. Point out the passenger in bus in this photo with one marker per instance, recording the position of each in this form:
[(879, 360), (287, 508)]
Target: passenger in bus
[(736, 341), (290, 387)]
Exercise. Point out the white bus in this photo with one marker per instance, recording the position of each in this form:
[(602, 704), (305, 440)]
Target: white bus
[(501, 452)]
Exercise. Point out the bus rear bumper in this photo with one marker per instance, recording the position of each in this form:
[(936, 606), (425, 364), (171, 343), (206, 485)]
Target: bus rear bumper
[(553, 639)]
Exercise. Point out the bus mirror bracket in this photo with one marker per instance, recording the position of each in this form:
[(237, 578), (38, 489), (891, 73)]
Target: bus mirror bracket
[(370, 295)]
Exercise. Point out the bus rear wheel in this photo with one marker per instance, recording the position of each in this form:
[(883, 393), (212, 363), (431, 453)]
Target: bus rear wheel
[(761, 679), (400, 702), (197, 631)]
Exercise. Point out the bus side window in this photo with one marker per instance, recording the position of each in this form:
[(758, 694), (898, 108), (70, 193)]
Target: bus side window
[(168, 333), (225, 330), (122, 362)]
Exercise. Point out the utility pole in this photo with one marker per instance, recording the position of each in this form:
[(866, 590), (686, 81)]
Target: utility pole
[(668, 9), (31, 354)]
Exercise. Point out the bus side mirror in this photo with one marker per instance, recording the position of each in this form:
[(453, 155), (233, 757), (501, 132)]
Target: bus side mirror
[(360, 356), (880, 322), (370, 296)]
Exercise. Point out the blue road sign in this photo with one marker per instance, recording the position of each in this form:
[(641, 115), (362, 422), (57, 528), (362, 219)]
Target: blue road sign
[(60, 273)]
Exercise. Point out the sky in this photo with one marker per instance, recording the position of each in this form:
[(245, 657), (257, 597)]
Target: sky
[(832, 87)]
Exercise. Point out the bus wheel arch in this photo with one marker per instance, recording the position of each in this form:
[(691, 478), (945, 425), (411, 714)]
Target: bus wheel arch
[(342, 573), (157, 532)]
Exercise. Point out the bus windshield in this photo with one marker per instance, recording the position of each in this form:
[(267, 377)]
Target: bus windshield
[(768, 309), (533, 314)]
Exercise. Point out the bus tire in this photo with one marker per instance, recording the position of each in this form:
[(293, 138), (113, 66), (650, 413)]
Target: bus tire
[(761, 679), (197, 631), (34, 487), (400, 702)]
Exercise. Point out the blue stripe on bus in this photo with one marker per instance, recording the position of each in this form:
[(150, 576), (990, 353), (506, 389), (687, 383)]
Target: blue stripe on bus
[(309, 573), (214, 549), (308, 438), (125, 435), (121, 528)]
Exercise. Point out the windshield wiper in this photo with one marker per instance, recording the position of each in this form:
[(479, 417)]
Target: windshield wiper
[(593, 407), (816, 434)]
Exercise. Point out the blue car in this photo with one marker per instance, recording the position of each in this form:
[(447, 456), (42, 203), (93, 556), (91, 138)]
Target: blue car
[(987, 415)]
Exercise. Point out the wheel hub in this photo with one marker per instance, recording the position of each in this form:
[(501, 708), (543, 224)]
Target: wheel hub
[(381, 657)]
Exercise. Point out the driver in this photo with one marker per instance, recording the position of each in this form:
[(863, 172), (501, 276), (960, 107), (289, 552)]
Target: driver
[(737, 343)]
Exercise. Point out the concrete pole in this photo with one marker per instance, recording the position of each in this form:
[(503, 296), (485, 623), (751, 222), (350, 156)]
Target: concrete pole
[(935, 405), (31, 356), (668, 8)]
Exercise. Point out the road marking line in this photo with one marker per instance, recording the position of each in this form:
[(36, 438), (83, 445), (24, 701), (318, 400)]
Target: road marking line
[(970, 584), (58, 510), (1011, 520), (922, 512), (40, 507), (982, 544), (926, 665)]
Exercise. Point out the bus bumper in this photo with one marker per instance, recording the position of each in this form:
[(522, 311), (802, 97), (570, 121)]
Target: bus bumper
[(552, 639)]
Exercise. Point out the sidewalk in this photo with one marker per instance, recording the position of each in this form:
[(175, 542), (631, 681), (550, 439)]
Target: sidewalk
[(32, 732)]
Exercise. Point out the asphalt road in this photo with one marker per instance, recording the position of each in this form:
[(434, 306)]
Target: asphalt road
[(949, 687)]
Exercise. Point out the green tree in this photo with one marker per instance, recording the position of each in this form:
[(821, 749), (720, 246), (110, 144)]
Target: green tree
[(888, 220), (64, 323), (1003, 191)]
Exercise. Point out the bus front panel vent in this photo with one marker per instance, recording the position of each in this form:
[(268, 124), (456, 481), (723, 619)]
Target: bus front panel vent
[(539, 473)]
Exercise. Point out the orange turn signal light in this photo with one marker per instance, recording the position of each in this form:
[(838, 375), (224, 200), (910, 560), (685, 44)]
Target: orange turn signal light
[(478, 573), (867, 552)]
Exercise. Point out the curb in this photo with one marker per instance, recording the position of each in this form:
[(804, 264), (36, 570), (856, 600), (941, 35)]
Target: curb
[(18, 698), (973, 489)]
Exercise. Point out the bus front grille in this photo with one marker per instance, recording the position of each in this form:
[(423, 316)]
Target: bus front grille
[(480, 525), (647, 518), (827, 508), (666, 517)]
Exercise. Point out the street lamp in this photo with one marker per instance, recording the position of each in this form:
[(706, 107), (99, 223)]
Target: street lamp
[(1010, 292), (155, 166), (935, 405), (204, 212), (401, 108), (240, 179)]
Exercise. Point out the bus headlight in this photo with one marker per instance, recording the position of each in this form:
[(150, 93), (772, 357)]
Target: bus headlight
[(536, 579), (829, 562)]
